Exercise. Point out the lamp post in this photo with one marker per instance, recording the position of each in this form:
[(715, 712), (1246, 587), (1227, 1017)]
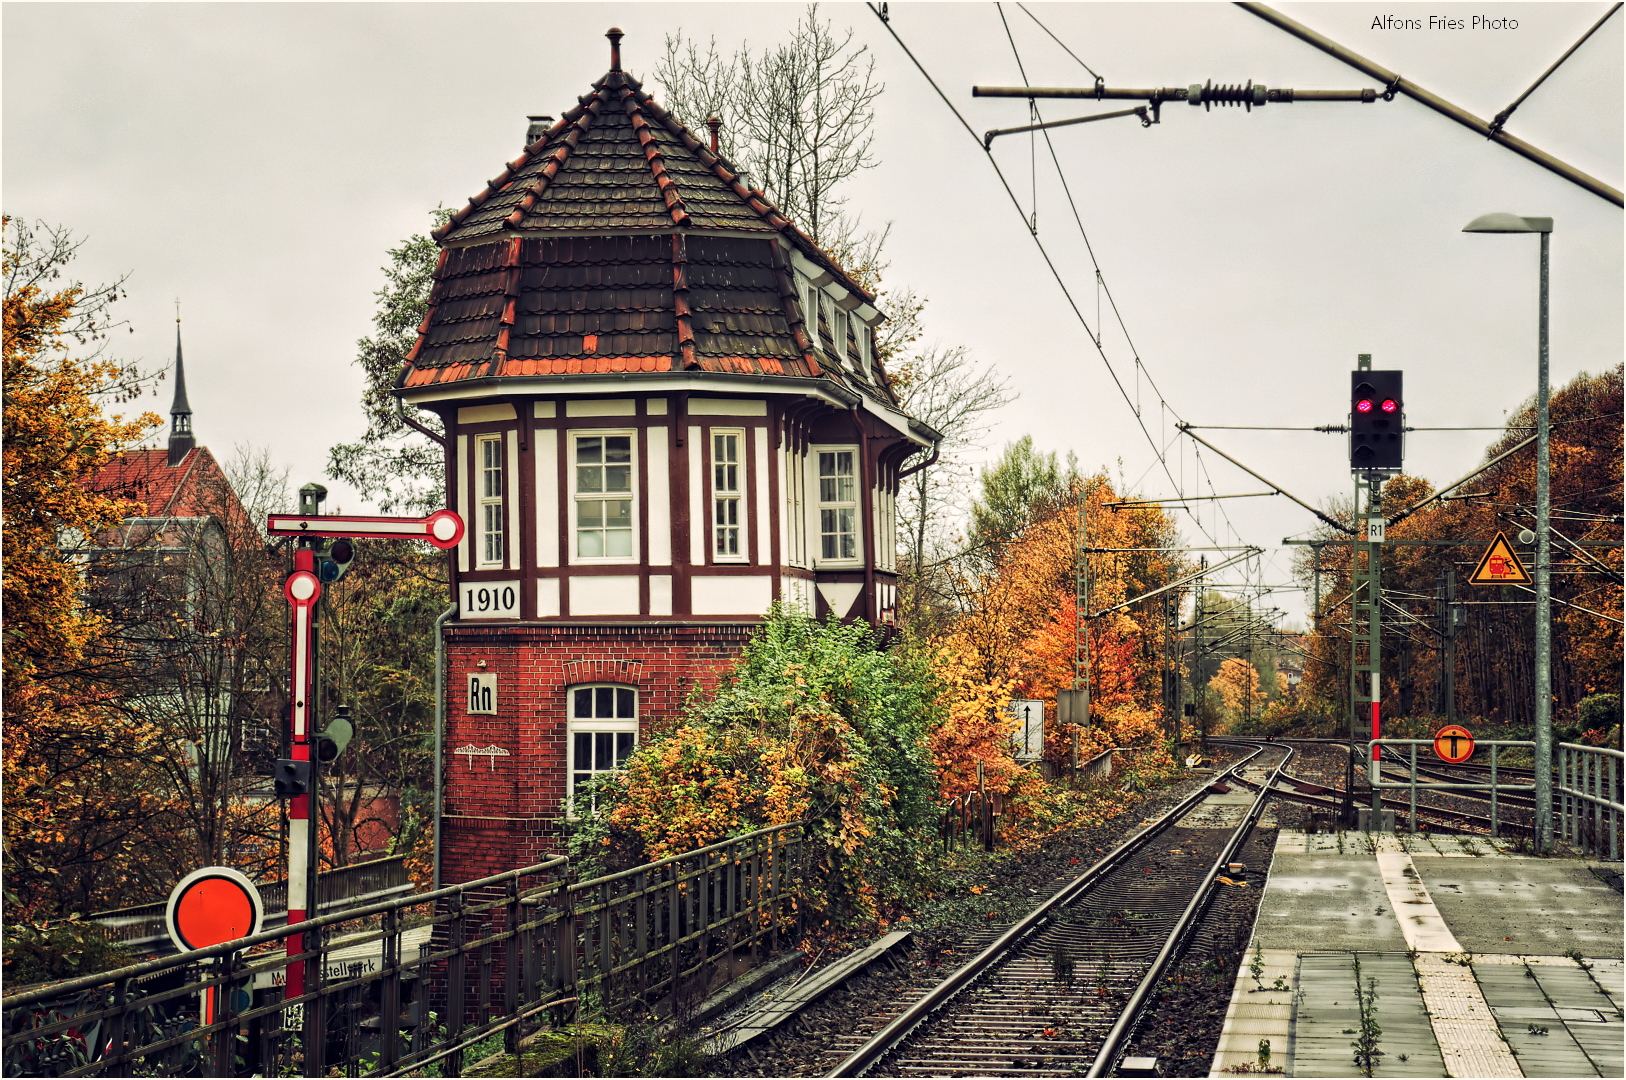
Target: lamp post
[(1513, 223)]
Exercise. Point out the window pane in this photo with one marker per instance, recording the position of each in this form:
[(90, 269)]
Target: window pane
[(580, 778), (603, 750), (589, 450), (618, 478), (618, 542), (618, 513), (589, 478), (584, 750), (618, 448), (584, 703), (589, 543), (624, 742), (623, 705), (605, 705), (828, 547)]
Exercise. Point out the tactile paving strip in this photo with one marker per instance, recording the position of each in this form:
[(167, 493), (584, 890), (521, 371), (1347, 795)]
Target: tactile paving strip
[(1469, 1037)]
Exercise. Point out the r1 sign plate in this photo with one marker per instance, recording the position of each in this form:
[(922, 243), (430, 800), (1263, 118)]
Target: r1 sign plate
[(488, 600), (1374, 530)]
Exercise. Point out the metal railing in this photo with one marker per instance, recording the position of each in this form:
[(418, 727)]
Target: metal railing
[(1412, 784), (402, 984), (142, 927), (1588, 799)]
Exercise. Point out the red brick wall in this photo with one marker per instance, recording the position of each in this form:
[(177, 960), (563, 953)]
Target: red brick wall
[(500, 811)]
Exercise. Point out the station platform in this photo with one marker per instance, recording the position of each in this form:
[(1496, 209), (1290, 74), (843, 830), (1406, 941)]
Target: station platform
[(1488, 963)]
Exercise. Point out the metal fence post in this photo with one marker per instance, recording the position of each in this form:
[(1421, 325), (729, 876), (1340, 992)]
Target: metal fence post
[(1494, 792), (1413, 811)]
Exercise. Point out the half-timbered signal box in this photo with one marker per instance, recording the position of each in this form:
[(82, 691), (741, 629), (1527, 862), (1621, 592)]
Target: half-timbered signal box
[(663, 413)]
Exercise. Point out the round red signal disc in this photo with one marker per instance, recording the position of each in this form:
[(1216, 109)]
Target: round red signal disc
[(1363, 405), (213, 905), (1389, 405)]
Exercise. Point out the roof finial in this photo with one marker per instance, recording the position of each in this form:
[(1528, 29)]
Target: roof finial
[(714, 123), (614, 34)]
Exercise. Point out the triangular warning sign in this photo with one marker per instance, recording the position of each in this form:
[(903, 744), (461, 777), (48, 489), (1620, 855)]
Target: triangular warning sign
[(1499, 566)]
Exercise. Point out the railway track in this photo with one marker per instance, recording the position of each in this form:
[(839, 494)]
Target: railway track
[(1060, 992)]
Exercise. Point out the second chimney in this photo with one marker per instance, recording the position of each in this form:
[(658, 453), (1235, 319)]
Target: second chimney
[(537, 128)]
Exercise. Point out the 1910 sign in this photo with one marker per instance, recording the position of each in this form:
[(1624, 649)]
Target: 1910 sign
[(488, 600)]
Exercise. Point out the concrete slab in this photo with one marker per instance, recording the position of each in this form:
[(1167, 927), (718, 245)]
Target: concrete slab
[(1256, 1015), (1554, 1016), (1327, 901), (1525, 906), (1327, 1018)]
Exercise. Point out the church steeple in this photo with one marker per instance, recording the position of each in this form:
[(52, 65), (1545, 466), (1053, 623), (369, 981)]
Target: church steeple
[(180, 412)]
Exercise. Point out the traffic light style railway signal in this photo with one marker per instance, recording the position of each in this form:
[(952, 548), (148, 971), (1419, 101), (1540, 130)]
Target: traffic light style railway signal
[(1376, 421)]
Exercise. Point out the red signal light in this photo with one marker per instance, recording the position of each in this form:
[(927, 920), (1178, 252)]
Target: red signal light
[(1390, 405), (1364, 405)]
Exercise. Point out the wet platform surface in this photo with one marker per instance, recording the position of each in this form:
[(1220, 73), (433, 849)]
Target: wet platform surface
[(1487, 962)]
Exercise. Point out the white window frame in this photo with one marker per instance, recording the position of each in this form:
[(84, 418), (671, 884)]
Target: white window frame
[(731, 499), (827, 307), (574, 497), (820, 505), (595, 726), (795, 509), (489, 506), (840, 328), (866, 345)]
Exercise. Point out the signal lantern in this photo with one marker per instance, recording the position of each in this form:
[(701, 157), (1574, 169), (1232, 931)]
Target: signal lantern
[(332, 563), (1377, 422)]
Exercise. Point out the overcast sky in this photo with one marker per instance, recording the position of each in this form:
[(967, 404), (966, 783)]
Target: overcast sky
[(257, 161)]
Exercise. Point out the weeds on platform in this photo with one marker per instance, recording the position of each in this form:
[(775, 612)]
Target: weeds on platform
[(1366, 1038)]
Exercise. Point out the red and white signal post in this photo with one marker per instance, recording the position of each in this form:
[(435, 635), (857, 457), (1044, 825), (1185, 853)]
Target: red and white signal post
[(443, 529)]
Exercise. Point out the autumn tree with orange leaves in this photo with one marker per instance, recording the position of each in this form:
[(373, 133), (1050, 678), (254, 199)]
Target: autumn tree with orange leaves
[(74, 805), (1016, 631)]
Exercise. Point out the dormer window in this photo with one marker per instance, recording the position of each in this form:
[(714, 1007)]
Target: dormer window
[(866, 351), (828, 307), (841, 336)]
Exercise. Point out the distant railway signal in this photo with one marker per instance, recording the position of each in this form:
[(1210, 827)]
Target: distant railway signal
[(1377, 422)]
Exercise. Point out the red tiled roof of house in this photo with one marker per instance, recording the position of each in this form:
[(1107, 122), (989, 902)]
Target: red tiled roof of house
[(194, 487)]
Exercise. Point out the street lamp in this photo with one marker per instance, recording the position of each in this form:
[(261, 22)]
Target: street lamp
[(1513, 223)]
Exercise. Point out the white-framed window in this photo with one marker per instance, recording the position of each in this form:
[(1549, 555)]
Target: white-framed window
[(727, 496), (866, 346), (841, 335), (602, 730), (838, 503), (602, 495), (795, 490), (488, 485)]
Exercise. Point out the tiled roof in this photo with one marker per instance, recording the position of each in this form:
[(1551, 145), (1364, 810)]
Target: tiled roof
[(194, 487), (525, 287)]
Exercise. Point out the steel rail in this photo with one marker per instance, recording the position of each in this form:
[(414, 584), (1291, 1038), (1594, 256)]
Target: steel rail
[(1106, 1058), (883, 1041)]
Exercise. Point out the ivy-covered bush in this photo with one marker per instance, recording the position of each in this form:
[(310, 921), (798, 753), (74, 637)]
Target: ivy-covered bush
[(816, 723)]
